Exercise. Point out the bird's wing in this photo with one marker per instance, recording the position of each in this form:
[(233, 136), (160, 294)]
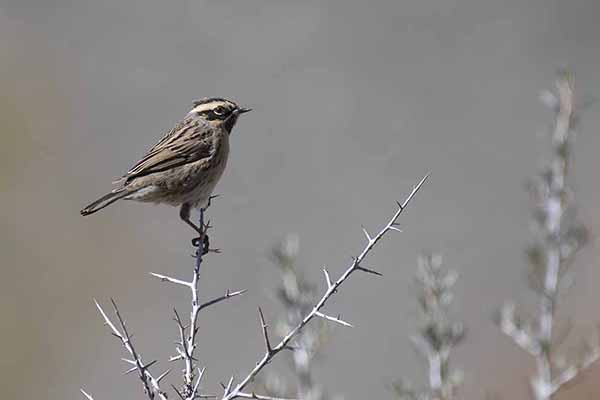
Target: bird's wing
[(187, 142)]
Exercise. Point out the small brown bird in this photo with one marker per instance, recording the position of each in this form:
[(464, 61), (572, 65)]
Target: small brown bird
[(183, 168)]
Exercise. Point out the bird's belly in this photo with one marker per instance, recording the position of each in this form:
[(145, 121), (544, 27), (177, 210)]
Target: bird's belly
[(199, 194), (199, 182)]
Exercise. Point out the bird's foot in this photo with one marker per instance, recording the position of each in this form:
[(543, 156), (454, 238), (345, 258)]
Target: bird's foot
[(205, 244)]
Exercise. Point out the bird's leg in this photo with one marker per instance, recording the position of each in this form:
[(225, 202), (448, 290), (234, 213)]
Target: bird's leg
[(203, 236), (184, 214), (205, 227)]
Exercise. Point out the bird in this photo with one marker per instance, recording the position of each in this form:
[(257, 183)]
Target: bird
[(183, 168)]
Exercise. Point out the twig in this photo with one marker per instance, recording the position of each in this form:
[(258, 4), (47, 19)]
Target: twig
[(87, 395), (297, 296), (260, 397), (187, 334), (151, 385), (232, 392)]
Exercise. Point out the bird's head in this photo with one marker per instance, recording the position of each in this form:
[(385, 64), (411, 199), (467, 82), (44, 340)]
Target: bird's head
[(218, 112)]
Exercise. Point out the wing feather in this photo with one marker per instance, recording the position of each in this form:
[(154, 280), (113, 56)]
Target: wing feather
[(189, 141)]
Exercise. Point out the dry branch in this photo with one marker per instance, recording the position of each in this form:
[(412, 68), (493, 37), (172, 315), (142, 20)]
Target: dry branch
[(233, 391)]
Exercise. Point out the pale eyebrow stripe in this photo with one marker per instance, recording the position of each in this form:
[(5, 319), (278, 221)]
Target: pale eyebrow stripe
[(208, 106)]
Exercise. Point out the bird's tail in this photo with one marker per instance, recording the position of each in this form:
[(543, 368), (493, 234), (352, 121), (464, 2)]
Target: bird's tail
[(105, 201)]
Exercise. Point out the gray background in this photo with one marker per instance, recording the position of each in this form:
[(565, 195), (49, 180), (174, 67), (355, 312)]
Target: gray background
[(354, 101)]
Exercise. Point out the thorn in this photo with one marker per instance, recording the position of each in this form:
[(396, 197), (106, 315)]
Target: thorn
[(178, 393), (201, 372), (165, 278), (130, 370), (264, 327), (393, 228), (197, 385), (327, 278), (369, 271), (87, 396), (334, 319), (366, 233), (176, 318), (149, 364), (411, 195), (423, 180), (106, 319), (163, 375), (116, 309), (228, 387), (237, 293)]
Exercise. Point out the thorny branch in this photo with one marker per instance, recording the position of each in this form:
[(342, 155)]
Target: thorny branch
[(232, 391), (151, 384), (187, 345), (560, 236), (297, 296)]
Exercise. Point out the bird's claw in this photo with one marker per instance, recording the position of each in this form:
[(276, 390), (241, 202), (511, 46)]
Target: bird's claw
[(205, 245), (210, 199)]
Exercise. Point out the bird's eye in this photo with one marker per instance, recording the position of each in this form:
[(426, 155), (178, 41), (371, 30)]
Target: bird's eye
[(220, 110)]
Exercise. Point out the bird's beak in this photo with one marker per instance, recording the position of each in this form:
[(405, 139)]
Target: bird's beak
[(243, 110)]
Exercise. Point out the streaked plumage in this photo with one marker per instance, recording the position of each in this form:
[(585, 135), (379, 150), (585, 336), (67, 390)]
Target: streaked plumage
[(183, 168)]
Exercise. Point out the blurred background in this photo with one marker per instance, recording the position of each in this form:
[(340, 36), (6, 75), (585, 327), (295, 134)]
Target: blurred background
[(353, 102)]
